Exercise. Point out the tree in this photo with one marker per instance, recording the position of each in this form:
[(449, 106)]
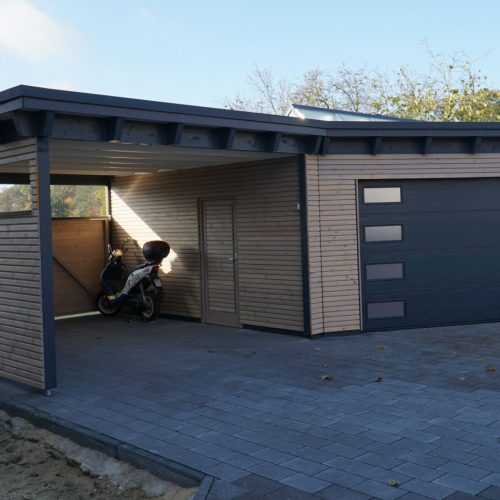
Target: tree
[(66, 201), (451, 90)]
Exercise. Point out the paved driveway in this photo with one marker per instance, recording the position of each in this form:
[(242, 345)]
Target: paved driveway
[(408, 414)]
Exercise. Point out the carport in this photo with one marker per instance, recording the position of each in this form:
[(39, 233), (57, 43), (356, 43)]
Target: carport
[(304, 224), (192, 165)]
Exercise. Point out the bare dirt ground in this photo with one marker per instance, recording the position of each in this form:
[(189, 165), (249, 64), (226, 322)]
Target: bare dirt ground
[(36, 464)]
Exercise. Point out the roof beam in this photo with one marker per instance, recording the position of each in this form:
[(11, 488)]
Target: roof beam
[(427, 145), (324, 149), (227, 136), (115, 129), (273, 141), (45, 123), (173, 134), (476, 143), (314, 145), (376, 145)]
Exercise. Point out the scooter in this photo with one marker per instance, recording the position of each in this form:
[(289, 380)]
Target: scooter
[(140, 290)]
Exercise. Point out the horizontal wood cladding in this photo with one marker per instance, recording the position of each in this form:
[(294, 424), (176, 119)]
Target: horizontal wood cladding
[(21, 327), (333, 227), (17, 152), (21, 349), (165, 206)]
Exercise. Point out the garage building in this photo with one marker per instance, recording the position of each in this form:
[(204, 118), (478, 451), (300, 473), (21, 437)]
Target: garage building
[(318, 222)]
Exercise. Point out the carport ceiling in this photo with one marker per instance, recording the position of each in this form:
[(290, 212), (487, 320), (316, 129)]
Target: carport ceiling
[(99, 158)]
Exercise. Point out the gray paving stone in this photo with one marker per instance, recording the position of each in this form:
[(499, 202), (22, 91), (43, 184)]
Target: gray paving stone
[(493, 479), (271, 471), (226, 472), (213, 451), (429, 490), (241, 460), (352, 466), (488, 451), (382, 437), (347, 428), (486, 464), (223, 490), (419, 471), (258, 485), (283, 445), (379, 460), (464, 470), (337, 492), (491, 493), (343, 450), (413, 496), (412, 423), (391, 428), (461, 495), (288, 493), (198, 462), (456, 444), (452, 455), (353, 440), (422, 459), (379, 490), (273, 456), (421, 436), (461, 483), (319, 456), (340, 477), (305, 466), (305, 483)]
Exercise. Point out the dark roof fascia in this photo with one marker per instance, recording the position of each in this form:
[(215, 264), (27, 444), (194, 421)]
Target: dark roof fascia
[(41, 99), (32, 111), (413, 129), (76, 103)]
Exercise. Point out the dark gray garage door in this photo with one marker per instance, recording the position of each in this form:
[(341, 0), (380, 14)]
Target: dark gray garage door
[(430, 252)]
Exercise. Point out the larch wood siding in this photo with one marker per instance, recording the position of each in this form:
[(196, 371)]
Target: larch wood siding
[(333, 222), (21, 325), (165, 206)]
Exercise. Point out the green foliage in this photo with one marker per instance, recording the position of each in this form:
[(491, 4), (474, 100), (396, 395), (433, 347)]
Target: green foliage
[(15, 199), (66, 201), (451, 90), (78, 201)]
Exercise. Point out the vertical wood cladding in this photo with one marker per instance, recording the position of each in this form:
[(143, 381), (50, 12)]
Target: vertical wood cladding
[(165, 206)]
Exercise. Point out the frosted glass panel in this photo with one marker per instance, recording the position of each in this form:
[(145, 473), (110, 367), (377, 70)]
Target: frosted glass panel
[(378, 310), (392, 271), (383, 233), (382, 195)]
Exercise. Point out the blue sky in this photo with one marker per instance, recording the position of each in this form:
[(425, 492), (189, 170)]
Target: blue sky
[(200, 51)]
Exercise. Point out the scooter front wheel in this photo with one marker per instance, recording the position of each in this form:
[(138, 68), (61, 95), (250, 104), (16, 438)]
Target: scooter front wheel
[(105, 306)]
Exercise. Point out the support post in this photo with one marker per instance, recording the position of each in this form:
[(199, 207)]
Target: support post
[(304, 241), (40, 176)]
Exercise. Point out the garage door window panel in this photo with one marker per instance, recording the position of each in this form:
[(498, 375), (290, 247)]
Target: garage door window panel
[(382, 195), (386, 310), (387, 271), (376, 234)]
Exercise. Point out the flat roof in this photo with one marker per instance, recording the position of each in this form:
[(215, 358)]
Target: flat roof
[(27, 111)]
